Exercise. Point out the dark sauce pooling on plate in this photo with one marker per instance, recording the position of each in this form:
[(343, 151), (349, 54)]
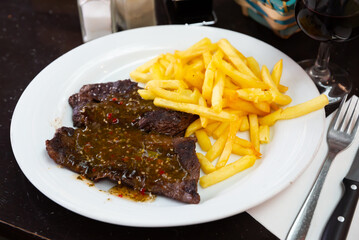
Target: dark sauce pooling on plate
[(128, 193), (111, 142)]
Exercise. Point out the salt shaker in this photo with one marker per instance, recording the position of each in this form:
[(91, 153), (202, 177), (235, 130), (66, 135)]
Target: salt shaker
[(95, 18), (127, 14)]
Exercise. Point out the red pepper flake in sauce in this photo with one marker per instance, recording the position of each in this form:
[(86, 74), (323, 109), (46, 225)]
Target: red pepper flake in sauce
[(114, 99), (122, 146), (131, 194)]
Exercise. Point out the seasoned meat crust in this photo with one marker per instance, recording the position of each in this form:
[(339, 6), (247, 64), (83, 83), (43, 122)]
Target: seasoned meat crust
[(60, 149), (125, 138), (159, 120)]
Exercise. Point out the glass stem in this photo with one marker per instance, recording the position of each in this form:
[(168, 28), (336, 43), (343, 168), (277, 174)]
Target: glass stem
[(320, 69)]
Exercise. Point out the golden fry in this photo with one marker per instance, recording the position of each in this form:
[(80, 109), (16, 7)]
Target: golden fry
[(202, 102), (178, 67), (227, 171), (264, 134), (304, 108), (241, 79), (206, 166), (208, 81), (140, 77), (227, 150), (194, 78), (244, 124), (207, 57), (144, 68), (174, 96), (195, 109), (166, 84), (277, 72), (245, 106), (278, 97), (254, 130), (274, 106), (282, 88), (243, 142), (220, 129), (203, 140), (262, 106), (194, 126), (255, 95), (295, 111), (157, 71), (271, 118), (234, 58), (229, 84), (242, 151), (217, 148), (211, 127), (146, 94), (239, 113), (217, 92), (254, 66)]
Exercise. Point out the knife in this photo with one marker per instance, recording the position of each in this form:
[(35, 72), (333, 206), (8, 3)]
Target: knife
[(339, 222)]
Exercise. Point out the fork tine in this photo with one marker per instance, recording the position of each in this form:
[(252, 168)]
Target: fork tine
[(344, 121), (349, 115), (339, 115), (354, 118)]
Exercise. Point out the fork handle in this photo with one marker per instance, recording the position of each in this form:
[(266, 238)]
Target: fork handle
[(301, 224), (339, 222)]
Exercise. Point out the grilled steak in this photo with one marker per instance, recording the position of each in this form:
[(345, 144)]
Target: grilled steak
[(125, 138), (144, 114)]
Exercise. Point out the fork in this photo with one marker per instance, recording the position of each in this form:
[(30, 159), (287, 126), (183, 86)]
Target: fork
[(340, 134)]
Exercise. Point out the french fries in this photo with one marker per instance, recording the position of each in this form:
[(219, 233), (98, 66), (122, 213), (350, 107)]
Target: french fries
[(203, 140), (230, 93), (195, 109), (254, 131), (227, 171)]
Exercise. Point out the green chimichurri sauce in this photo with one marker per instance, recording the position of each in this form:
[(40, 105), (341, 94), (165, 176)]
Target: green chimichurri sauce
[(112, 144)]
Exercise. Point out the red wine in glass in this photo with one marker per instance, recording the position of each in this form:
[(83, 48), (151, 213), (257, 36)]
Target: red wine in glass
[(327, 21)]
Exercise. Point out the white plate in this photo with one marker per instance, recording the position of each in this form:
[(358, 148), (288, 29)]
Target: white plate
[(43, 107)]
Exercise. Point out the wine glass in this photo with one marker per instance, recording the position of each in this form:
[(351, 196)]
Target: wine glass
[(328, 21)]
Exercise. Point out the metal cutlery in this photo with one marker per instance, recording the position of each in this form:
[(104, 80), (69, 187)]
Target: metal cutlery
[(340, 134), (339, 222)]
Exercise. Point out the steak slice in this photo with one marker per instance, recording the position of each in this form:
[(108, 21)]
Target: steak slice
[(145, 115), (125, 138), (159, 164)]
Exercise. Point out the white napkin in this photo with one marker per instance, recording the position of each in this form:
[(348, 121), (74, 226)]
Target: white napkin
[(278, 213)]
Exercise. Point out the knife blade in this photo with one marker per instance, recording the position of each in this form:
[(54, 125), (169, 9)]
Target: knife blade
[(339, 222)]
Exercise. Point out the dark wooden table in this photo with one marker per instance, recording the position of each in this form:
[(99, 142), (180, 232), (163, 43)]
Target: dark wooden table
[(33, 33)]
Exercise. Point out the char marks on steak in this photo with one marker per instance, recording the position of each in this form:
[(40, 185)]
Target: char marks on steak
[(125, 138)]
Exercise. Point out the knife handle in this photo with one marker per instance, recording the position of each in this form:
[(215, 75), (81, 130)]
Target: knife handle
[(339, 222)]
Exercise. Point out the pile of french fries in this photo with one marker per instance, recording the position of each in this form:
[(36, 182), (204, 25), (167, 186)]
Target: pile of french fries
[(230, 93)]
